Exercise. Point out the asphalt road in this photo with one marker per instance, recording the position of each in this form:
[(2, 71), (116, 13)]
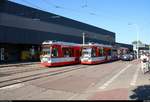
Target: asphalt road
[(119, 80)]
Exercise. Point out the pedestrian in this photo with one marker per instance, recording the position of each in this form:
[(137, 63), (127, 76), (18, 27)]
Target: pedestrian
[(144, 63), (148, 62)]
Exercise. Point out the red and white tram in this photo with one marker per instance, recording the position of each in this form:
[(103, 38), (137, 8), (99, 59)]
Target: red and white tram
[(95, 53), (60, 53)]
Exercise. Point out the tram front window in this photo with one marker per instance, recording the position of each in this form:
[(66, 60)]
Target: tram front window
[(46, 51), (86, 52)]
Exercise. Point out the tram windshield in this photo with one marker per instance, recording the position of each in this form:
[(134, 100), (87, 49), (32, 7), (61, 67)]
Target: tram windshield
[(46, 51), (86, 52)]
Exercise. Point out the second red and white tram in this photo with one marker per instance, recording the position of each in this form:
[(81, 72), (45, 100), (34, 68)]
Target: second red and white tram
[(96, 53), (60, 53)]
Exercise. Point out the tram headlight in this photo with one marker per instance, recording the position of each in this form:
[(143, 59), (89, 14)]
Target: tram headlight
[(87, 59), (44, 59)]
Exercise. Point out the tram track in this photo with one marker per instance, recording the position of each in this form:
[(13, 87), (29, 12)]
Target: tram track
[(28, 69), (21, 69), (10, 72), (18, 66), (27, 78), (37, 75), (49, 69)]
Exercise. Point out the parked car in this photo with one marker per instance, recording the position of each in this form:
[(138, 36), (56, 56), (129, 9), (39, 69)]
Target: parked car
[(127, 57)]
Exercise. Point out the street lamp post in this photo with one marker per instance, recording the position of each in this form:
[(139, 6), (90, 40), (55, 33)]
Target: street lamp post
[(137, 38), (83, 38), (137, 29), (149, 48)]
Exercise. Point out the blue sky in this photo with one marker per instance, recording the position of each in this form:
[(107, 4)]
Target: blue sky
[(112, 15)]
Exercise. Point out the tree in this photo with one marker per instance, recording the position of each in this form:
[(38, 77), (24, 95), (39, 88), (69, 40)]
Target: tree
[(135, 42)]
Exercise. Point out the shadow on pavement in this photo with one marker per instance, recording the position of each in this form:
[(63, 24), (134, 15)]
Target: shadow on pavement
[(141, 93)]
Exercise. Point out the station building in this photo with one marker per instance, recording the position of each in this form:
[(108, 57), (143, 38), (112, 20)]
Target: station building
[(129, 46), (23, 29)]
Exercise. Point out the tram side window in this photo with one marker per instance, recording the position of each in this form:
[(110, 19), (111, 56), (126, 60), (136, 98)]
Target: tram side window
[(55, 52), (67, 52), (100, 52), (72, 52), (109, 52), (93, 52)]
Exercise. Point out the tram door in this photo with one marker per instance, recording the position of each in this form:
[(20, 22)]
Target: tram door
[(2, 54), (77, 54)]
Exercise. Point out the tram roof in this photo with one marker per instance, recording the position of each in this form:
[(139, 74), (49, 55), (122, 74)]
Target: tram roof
[(102, 45), (50, 42)]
